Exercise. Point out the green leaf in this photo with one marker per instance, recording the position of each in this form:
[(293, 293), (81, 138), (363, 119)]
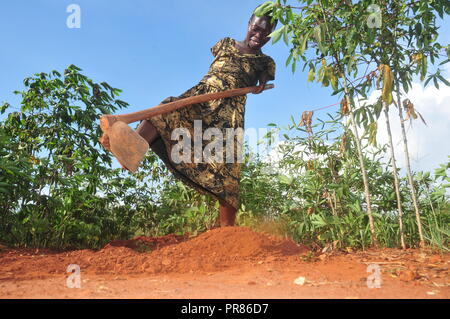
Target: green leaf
[(303, 43), (428, 80), (319, 35), (285, 179), (443, 80), (264, 8), (423, 68), (311, 75), (418, 29), (289, 59), (286, 36), (436, 84), (294, 66), (276, 35)]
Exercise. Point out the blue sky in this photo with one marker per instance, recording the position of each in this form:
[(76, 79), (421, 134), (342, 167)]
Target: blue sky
[(149, 49)]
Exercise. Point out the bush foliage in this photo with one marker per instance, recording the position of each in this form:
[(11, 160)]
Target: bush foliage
[(60, 189)]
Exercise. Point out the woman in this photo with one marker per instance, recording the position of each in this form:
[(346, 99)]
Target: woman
[(236, 64)]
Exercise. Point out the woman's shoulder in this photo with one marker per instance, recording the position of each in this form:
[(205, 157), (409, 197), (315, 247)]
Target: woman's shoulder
[(225, 40), (221, 45), (228, 42)]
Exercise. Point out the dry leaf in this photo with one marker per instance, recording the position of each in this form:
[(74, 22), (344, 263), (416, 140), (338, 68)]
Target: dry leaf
[(306, 120), (409, 108), (387, 83), (344, 106), (416, 57)]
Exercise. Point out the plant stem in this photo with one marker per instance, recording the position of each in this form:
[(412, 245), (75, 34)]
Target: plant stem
[(408, 168), (395, 174), (361, 161)]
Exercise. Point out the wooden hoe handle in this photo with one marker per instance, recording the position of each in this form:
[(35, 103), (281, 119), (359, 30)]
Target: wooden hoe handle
[(106, 121)]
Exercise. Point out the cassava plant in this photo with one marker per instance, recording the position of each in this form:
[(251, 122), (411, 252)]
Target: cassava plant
[(345, 44)]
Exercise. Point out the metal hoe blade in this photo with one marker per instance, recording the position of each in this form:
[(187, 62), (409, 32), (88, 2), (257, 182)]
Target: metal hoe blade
[(127, 146)]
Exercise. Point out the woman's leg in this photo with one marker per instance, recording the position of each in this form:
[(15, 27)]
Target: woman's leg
[(227, 214), (148, 131)]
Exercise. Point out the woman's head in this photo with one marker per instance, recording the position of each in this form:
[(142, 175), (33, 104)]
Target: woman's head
[(258, 31)]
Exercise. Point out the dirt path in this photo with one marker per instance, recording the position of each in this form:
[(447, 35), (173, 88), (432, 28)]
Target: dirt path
[(232, 262)]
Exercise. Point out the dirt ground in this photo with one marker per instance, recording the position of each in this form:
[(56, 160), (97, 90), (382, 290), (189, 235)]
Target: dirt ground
[(232, 262)]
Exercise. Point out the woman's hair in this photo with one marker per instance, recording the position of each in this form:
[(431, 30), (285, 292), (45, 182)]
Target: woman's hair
[(267, 16)]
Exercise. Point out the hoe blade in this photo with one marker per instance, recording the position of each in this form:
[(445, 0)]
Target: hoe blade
[(127, 146)]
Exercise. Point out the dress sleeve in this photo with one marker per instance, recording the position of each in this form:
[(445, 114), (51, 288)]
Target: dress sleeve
[(270, 69), (218, 47)]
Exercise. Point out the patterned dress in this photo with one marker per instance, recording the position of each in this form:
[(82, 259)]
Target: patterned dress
[(217, 176)]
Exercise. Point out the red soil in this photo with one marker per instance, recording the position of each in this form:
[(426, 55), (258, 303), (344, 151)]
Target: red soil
[(231, 262)]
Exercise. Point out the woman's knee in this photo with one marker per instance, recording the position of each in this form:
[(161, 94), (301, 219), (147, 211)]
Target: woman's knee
[(148, 131)]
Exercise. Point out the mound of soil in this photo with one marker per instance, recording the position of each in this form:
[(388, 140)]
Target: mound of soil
[(144, 243), (211, 251), (221, 248), (231, 262)]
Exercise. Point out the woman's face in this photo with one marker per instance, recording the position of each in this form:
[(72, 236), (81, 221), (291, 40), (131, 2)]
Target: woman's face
[(257, 34)]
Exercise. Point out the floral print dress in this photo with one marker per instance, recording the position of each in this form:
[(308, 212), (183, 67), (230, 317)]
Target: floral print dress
[(218, 176)]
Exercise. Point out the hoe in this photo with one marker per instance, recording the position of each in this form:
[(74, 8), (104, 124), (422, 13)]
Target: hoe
[(129, 147)]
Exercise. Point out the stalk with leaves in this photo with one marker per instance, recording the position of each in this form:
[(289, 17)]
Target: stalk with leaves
[(344, 38), (409, 172), (409, 34)]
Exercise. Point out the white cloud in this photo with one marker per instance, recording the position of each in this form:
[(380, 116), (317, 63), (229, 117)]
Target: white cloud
[(428, 145)]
